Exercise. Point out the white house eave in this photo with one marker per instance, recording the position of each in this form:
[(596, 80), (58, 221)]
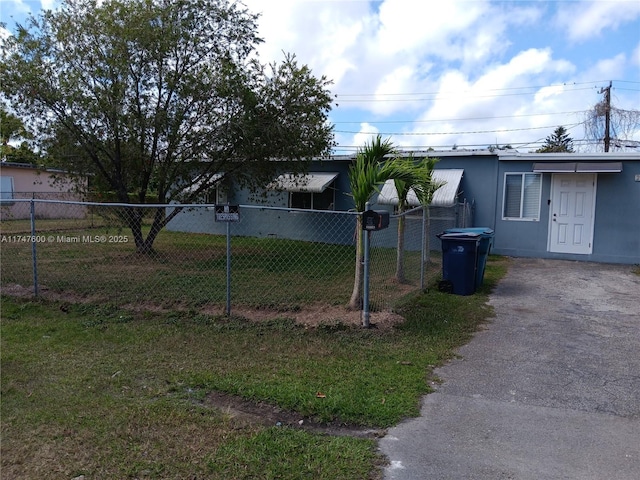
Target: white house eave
[(570, 157)]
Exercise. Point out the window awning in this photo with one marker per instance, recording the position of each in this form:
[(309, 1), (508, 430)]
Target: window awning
[(211, 180), (549, 167), (599, 167), (316, 182), (578, 167), (445, 196)]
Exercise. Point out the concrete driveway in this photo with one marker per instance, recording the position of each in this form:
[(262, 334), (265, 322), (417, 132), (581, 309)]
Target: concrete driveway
[(550, 389)]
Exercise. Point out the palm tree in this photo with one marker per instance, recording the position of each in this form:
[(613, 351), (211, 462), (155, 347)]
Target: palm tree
[(402, 188), (366, 174), (425, 196), (424, 187)]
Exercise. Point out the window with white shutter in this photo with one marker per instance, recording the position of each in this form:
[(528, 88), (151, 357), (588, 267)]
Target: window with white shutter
[(521, 199)]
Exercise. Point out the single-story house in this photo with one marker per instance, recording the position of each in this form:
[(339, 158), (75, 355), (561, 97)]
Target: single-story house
[(576, 206), (26, 181), (568, 205), (279, 210)]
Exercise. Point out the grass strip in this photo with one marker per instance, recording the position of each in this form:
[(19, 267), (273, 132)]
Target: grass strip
[(103, 392)]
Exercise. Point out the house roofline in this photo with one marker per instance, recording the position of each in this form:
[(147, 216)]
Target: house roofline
[(569, 157), (418, 154), (31, 166), (451, 153)]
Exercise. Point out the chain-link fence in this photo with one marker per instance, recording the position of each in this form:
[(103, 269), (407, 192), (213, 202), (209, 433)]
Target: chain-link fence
[(280, 259)]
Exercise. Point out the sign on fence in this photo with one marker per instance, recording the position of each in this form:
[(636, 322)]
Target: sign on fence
[(227, 213)]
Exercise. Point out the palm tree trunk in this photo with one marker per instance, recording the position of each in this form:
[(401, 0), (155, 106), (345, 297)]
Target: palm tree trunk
[(355, 303), (400, 253), (426, 238)]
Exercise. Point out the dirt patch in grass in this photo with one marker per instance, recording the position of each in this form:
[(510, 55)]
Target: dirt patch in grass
[(261, 413), (331, 316), (18, 291), (313, 315)]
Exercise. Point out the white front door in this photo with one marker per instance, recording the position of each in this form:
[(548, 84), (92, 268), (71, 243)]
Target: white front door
[(572, 213)]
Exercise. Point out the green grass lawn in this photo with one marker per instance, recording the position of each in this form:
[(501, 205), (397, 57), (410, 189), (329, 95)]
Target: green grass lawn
[(95, 390), (188, 270)]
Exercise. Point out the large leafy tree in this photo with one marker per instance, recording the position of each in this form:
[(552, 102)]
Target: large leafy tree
[(558, 141), (158, 98), (12, 132)]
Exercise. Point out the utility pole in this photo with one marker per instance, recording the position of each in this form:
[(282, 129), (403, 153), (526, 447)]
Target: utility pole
[(607, 116)]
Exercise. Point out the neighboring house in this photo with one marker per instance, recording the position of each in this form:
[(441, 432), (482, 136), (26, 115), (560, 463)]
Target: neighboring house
[(324, 189), (26, 181), (549, 205)]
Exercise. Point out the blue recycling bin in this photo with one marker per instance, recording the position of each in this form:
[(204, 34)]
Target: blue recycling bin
[(459, 262), (486, 242)]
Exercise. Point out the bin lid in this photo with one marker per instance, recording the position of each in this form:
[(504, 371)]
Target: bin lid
[(459, 236), (481, 230)]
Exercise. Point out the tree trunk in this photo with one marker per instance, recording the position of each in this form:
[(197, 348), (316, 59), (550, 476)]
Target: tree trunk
[(355, 303), (158, 224), (400, 253), (426, 238), (134, 217)]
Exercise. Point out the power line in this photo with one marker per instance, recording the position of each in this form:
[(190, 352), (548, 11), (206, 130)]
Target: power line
[(416, 96), (504, 89), (484, 90), (478, 146), (481, 145), (441, 95), (376, 122), (450, 133)]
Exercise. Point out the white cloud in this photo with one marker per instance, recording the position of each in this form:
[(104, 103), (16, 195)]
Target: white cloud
[(527, 63), (635, 56), (584, 20), (403, 47), (366, 134), (406, 24), (460, 95), (466, 108), (400, 80), (608, 68), (321, 34), (546, 93)]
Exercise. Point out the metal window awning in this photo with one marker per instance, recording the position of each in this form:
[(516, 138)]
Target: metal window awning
[(211, 180), (599, 167), (554, 167), (316, 182), (578, 167), (445, 196)]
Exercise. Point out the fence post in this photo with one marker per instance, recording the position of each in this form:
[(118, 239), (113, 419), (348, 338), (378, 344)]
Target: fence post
[(365, 280), (34, 257), (424, 254), (228, 309)]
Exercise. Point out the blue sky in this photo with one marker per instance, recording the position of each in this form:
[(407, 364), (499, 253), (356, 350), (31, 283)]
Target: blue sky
[(469, 73)]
